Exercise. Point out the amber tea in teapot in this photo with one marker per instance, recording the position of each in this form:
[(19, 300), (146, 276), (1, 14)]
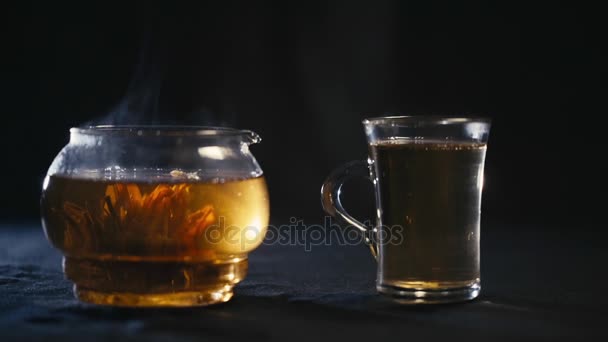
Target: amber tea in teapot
[(154, 236)]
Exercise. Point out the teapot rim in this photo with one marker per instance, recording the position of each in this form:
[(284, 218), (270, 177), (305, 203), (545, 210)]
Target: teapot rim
[(165, 130)]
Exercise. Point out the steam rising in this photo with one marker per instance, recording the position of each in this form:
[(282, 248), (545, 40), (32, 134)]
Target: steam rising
[(168, 85)]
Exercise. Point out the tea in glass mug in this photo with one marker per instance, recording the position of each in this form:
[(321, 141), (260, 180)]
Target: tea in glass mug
[(428, 176)]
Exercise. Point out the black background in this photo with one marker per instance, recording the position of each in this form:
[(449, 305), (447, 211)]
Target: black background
[(303, 76)]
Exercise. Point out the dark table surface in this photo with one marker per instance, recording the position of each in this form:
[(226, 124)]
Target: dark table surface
[(536, 284)]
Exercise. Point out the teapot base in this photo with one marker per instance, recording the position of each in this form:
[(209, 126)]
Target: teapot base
[(153, 283), (212, 296)]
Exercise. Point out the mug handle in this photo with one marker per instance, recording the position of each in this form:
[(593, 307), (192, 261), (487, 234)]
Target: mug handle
[(330, 198)]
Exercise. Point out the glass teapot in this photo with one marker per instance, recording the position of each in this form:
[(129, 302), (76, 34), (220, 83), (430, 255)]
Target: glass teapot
[(155, 215)]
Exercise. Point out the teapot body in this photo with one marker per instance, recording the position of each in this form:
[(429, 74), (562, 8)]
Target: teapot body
[(155, 215)]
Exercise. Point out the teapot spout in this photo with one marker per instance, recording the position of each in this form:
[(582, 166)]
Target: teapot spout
[(251, 137)]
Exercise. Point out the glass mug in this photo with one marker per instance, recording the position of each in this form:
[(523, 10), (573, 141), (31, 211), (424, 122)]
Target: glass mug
[(155, 215), (428, 176)]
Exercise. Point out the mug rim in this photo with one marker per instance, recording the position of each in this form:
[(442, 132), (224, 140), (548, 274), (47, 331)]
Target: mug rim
[(426, 119)]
